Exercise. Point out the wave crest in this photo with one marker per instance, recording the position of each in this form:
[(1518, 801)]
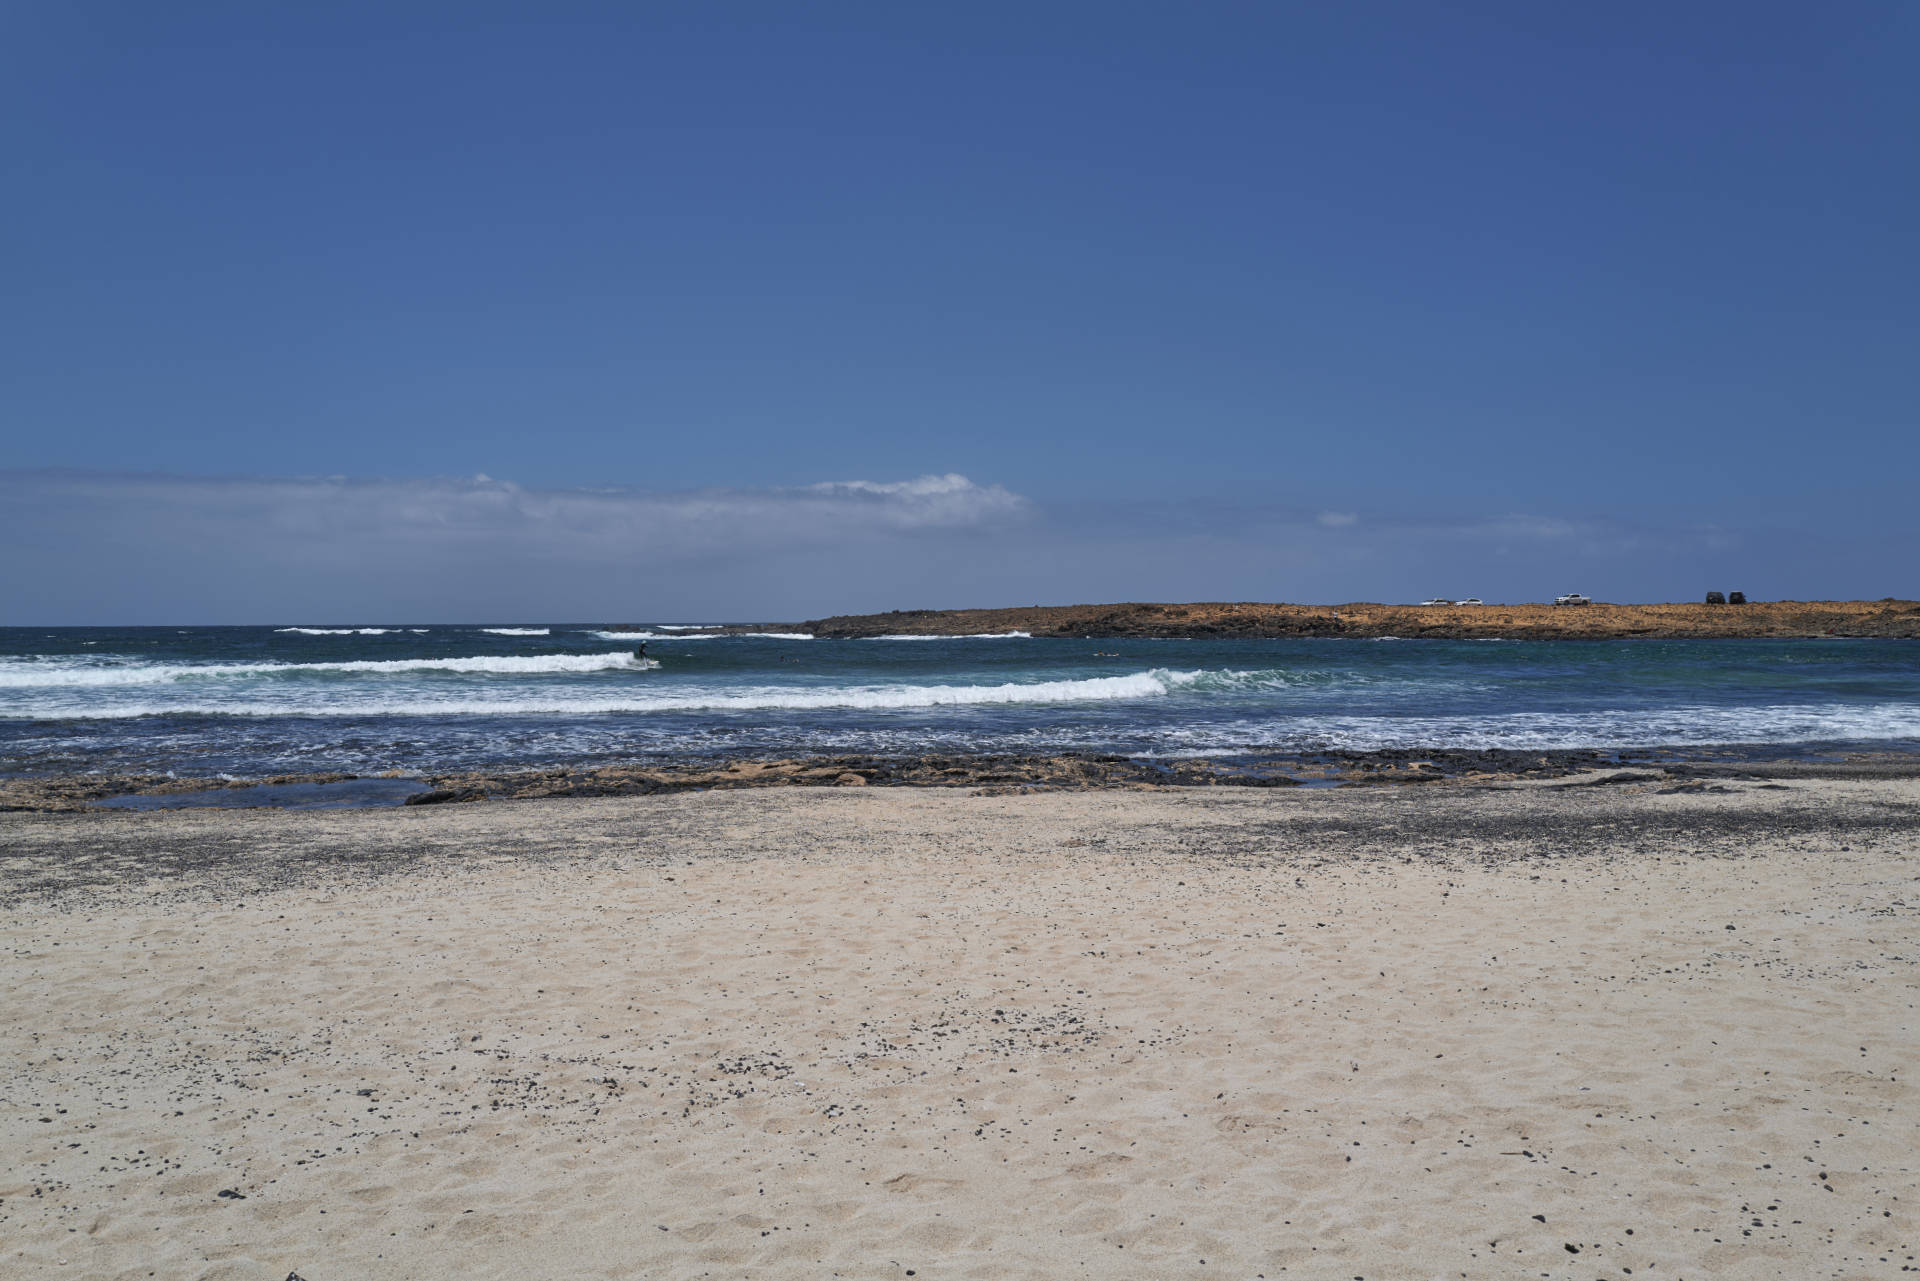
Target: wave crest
[(968, 636), (1153, 684), (342, 631), (677, 635), (502, 665)]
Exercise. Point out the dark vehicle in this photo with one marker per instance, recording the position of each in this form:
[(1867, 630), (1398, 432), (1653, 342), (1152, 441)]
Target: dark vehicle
[(1716, 598), (1736, 598)]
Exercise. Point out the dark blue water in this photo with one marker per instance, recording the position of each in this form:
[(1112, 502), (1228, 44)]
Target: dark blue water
[(253, 700)]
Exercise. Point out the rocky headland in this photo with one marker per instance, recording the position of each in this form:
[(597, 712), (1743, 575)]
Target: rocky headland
[(1601, 620)]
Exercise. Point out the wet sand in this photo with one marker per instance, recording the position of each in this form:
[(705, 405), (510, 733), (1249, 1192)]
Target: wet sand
[(1480, 1031)]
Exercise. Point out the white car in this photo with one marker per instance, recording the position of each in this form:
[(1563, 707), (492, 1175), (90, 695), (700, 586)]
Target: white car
[(1436, 601), (1471, 600), (1573, 598)]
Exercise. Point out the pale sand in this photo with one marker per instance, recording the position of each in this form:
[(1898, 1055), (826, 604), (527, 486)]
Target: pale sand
[(891, 1033)]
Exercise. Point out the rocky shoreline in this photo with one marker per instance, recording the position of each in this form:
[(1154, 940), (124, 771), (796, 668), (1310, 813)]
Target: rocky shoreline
[(1687, 769), (1886, 618)]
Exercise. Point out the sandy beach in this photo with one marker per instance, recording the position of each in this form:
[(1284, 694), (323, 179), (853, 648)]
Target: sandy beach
[(1527, 1030)]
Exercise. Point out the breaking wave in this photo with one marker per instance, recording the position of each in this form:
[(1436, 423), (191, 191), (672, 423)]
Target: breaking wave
[(343, 631), (49, 677), (248, 700), (1698, 726), (678, 635), (970, 636), (1152, 684)]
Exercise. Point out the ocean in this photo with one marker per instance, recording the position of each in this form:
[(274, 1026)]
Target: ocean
[(251, 701)]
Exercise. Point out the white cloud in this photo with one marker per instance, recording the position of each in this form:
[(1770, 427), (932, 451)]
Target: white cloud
[(483, 514), (78, 546), (257, 543)]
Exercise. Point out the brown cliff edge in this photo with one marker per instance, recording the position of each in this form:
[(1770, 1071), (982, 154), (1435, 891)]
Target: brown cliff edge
[(1599, 621)]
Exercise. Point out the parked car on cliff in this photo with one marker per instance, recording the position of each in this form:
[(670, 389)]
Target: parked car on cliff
[(1573, 598), (1471, 600), (1436, 601)]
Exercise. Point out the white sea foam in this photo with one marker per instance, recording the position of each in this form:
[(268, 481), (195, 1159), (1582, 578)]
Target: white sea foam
[(1151, 684), (1560, 731), (516, 631), (689, 627), (1695, 726), (342, 631), (970, 636), (1282, 678), (23, 676), (690, 636)]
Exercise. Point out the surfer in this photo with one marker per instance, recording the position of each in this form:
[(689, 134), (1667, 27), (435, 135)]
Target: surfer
[(640, 654)]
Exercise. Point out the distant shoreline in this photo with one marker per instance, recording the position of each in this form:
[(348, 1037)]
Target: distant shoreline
[(1887, 618)]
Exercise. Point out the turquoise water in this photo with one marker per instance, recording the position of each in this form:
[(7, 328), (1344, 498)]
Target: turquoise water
[(365, 698)]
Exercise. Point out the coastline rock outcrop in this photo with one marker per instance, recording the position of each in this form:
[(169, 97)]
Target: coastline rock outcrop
[(1887, 617)]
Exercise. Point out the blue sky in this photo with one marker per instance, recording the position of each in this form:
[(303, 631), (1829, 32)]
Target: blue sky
[(1207, 301)]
